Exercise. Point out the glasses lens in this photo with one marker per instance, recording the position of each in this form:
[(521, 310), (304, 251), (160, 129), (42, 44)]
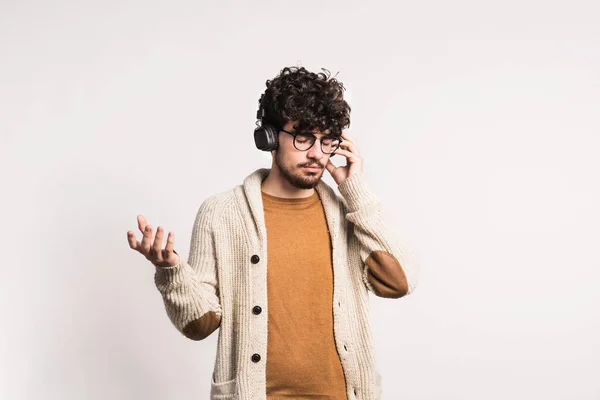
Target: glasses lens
[(303, 141), (329, 145)]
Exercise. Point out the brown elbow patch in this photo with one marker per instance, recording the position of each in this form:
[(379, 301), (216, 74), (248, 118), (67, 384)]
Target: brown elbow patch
[(200, 328), (386, 275)]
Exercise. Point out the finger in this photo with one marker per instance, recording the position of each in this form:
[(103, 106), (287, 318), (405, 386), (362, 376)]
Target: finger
[(146, 240), (170, 242), (330, 167), (142, 223), (133, 243), (348, 145), (169, 254), (156, 250), (345, 153)]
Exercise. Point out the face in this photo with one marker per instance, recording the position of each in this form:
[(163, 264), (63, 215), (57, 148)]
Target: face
[(290, 161)]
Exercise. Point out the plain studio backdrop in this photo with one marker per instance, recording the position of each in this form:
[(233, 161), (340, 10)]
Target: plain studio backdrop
[(478, 123)]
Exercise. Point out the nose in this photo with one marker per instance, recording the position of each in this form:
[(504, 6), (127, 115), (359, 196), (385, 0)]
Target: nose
[(315, 152)]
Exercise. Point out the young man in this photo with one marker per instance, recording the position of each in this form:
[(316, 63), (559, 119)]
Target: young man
[(282, 264)]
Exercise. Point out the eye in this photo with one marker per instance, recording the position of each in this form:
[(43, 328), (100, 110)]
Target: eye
[(302, 138)]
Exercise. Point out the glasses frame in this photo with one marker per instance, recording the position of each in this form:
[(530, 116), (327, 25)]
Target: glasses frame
[(294, 134)]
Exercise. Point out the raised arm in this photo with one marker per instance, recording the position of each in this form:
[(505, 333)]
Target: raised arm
[(189, 289)]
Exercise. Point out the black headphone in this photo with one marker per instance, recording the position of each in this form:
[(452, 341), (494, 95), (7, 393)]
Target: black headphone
[(266, 136)]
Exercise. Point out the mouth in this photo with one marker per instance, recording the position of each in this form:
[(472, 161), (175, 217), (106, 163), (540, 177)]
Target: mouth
[(312, 168)]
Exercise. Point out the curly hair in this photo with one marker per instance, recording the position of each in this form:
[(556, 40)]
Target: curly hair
[(315, 100)]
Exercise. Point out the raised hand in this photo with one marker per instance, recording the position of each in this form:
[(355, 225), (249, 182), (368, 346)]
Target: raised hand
[(152, 249), (354, 161)]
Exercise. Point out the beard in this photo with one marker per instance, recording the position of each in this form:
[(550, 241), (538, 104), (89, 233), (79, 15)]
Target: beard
[(298, 177)]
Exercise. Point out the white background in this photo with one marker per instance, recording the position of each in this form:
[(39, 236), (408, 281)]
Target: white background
[(478, 123)]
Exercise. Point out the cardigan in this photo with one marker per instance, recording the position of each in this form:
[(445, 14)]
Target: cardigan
[(225, 277)]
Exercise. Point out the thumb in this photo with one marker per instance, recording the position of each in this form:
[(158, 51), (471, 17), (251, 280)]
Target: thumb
[(330, 167)]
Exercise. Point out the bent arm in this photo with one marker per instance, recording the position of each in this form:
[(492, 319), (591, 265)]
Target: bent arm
[(389, 270), (190, 289)]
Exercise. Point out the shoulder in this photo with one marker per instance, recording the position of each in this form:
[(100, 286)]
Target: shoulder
[(331, 198), (214, 205)]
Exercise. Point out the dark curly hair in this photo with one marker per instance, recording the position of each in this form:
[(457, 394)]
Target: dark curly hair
[(315, 100)]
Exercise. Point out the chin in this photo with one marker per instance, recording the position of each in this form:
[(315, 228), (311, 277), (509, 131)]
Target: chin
[(305, 180), (297, 176)]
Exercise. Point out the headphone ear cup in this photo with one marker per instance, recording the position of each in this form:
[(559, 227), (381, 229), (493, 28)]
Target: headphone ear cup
[(275, 136), (266, 138)]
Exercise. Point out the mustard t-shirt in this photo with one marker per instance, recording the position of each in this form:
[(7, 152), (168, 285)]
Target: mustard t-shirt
[(302, 359)]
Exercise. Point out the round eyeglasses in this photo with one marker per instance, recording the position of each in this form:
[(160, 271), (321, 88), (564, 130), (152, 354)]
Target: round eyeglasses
[(305, 140)]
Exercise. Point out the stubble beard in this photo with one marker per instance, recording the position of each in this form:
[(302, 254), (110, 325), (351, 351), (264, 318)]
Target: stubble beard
[(298, 177)]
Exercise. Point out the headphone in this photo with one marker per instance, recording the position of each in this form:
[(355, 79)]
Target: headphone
[(266, 136)]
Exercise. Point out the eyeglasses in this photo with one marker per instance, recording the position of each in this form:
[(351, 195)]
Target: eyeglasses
[(305, 140)]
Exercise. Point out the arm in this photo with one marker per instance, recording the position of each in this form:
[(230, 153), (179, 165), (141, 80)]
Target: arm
[(190, 289), (389, 270)]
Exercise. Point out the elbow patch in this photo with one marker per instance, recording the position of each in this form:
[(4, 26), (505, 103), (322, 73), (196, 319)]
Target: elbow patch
[(200, 328), (386, 275)]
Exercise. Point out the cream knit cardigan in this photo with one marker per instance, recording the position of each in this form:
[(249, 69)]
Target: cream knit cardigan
[(219, 276)]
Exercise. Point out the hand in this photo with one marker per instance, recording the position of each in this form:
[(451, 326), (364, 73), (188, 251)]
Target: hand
[(354, 162), (153, 250)]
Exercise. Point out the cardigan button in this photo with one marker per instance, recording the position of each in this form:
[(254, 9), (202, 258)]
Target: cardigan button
[(256, 357), (256, 310), (255, 259)]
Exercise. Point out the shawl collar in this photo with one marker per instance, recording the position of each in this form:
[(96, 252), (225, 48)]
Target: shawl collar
[(252, 190)]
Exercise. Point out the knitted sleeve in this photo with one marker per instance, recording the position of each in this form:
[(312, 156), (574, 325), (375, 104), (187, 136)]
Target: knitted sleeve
[(389, 269), (190, 289)]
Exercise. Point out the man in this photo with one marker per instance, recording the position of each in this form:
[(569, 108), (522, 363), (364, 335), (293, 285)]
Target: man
[(283, 265)]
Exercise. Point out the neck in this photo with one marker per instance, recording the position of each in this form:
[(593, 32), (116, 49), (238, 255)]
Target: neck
[(276, 185)]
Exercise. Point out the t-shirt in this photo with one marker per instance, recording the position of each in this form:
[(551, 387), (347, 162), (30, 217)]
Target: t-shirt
[(302, 360)]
